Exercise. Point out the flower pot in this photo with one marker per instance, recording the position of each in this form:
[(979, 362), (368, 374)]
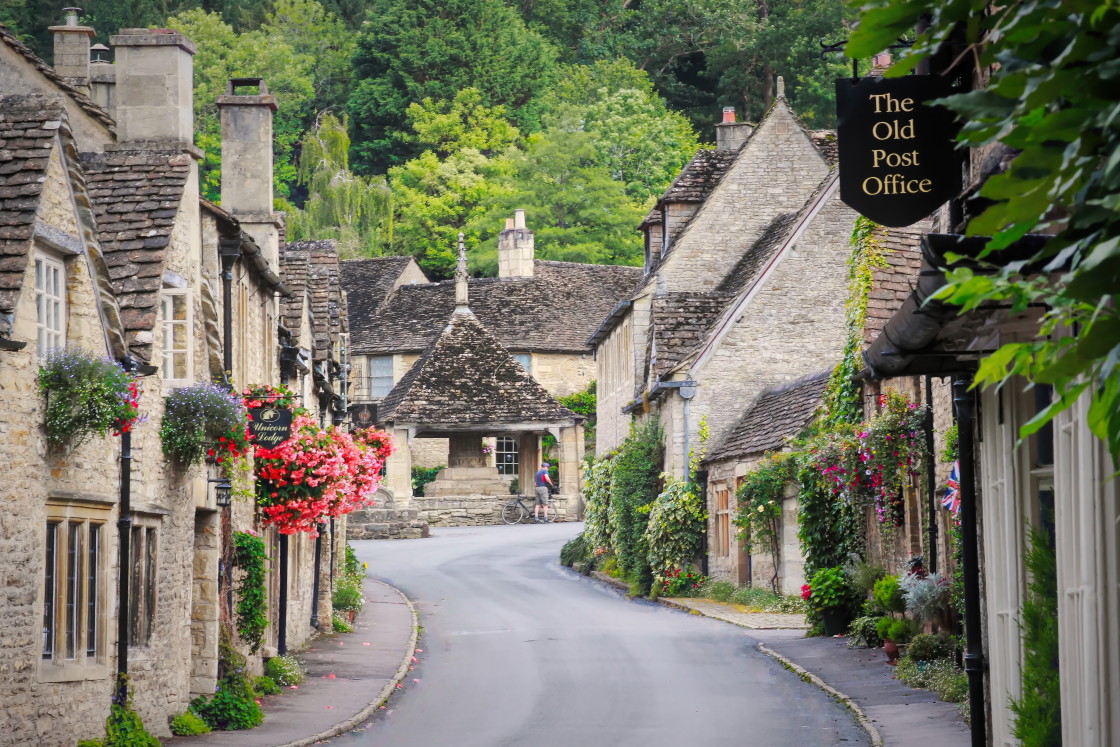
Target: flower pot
[(835, 621), (350, 615), (891, 649)]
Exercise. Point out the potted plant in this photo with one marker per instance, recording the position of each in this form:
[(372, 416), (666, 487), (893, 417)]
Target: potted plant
[(888, 594), (896, 632), (927, 598), (203, 421), (830, 596)]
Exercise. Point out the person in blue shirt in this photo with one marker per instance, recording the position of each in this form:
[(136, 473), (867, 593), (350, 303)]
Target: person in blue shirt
[(543, 485)]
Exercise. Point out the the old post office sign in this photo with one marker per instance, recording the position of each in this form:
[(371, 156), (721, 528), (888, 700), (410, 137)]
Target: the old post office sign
[(897, 157), (269, 426)]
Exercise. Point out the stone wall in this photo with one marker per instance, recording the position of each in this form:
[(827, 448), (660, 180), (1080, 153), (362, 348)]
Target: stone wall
[(481, 510)]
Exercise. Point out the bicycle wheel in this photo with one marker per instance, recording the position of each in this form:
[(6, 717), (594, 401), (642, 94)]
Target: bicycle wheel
[(513, 512)]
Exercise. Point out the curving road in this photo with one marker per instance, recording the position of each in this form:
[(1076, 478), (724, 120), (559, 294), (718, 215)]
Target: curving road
[(520, 651)]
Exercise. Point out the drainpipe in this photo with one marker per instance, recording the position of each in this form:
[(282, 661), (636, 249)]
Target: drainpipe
[(124, 529), (229, 252), (318, 565), (687, 391), (931, 480), (974, 646)]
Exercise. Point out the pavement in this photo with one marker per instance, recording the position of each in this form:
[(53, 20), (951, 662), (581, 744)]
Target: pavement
[(349, 676), (891, 712)]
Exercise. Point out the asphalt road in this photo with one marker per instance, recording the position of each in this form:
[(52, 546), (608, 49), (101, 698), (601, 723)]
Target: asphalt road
[(518, 650)]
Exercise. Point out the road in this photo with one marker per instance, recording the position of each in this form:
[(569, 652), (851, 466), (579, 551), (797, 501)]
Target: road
[(517, 650)]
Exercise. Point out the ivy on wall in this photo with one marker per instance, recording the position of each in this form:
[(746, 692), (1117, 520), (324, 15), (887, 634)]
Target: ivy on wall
[(634, 486), (759, 514), (252, 604)]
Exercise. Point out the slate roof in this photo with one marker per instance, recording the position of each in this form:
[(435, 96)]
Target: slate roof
[(779, 412), (755, 258), (82, 100), (556, 310), (826, 144), (28, 125), (367, 283), (295, 268), (891, 285), (467, 378), (136, 196), (699, 176), (678, 324)]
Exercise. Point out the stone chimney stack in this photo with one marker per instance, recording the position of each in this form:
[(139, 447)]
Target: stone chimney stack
[(71, 50), (462, 299), (154, 87), (516, 248), (102, 78), (247, 161), (730, 135)]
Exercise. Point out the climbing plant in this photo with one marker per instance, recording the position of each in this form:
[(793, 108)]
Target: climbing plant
[(634, 486), (252, 604), (675, 530), (597, 497), (759, 512)]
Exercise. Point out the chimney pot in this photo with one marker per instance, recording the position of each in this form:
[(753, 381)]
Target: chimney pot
[(518, 218), (509, 223), (728, 114), (516, 248)]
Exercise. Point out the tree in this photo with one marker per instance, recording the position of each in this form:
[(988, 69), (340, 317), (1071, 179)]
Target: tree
[(463, 122), (224, 54), (1050, 100), (417, 49), (340, 205), (312, 30)]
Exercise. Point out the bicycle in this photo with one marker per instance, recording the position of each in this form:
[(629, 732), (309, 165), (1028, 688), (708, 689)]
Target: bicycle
[(515, 512)]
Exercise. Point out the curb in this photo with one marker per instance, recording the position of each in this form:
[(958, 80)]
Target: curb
[(369, 710), (861, 717)]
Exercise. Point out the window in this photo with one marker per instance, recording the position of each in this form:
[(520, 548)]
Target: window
[(723, 523), (380, 375), (505, 456), (50, 302), (73, 588), (175, 306), (142, 585), (525, 359)]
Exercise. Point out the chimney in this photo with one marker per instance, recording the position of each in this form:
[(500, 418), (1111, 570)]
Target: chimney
[(71, 50), (879, 64), (247, 161), (102, 78), (462, 302), (154, 86), (730, 135), (516, 248)]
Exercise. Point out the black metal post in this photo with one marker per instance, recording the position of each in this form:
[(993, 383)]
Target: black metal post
[(229, 251), (315, 587), (282, 623), (334, 545), (124, 527), (970, 557), (931, 479)]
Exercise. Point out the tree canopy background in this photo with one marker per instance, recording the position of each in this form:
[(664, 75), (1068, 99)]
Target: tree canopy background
[(404, 122)]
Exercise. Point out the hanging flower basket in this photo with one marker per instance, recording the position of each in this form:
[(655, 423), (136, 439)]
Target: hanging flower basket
[(203, 422), (86, 396)]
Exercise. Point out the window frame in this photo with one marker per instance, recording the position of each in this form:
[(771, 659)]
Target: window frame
[(143, 570), (43, 261), (526, 361), (375, 377), (508, 467), (723, 522), (168, 370), (74, 592)]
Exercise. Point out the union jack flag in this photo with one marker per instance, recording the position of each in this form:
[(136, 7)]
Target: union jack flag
[(952, 499)]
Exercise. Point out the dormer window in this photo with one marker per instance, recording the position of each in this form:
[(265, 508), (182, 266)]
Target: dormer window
[(50, 302)]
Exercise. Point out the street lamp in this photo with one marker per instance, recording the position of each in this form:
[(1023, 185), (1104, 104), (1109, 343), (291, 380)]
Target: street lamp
[(223, 491)]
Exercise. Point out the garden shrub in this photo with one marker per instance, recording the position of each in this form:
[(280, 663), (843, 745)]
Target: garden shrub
[(576, 553), (285, 670), (927, 647), (421, 476), (86, 396), (597, 494), (863, 574), (902, 629), (634, 487), (123, 727), (348, 593), (234, 705), (720, 591), (351, 565), (948, 681), (188, 724), (675, 529), (252, 604), (888, 594), (679, 582), (830, 590), (926, 597), (1038, 715), (265, 685), (864, 631), (340, 624)]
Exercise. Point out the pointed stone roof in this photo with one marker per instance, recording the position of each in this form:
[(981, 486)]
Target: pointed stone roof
[(779, 413), (466, 378)]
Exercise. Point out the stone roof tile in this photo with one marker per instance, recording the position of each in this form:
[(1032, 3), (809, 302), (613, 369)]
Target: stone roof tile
[(825, 142), (466, 377), (368, 282), (134, 228), (699, 176), (778, 413), (556, 309), (892, 283), (679, 322)]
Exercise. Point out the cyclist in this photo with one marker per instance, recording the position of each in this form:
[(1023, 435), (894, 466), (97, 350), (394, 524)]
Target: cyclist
[(543, 484)]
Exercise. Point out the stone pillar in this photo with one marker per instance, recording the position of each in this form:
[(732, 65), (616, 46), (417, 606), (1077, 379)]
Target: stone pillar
[(398, 469), (204, 605), (730, 135), (570, 449), (247, 161), (528, 461), (71, 50), (103, 81), (155, 79)]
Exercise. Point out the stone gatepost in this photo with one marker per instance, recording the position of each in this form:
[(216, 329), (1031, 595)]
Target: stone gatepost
[(570, 449), (398, 469)]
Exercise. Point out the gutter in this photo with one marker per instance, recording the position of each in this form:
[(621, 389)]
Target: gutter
[(608, 324)]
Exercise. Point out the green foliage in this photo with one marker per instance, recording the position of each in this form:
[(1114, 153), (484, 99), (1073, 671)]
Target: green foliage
[(888, 594), (681, 582), (597, 499), (340, 624), (863, 574), (234, 704), (678, 521), (86, 397), (1050, 98), (411, 50), (252, 600), (264, 685), (341, 205), (187, 724), (952, 450), (450, 125), (584, 403), (901, 629), (201, 413), (1038, 715), (348, 593), (927, 647), (351, 565), (945, 678), (720, 591), (577, 553), (421, 476), (634, 487), (883, 626), (758, 599), (830, 590), (864, 631), (285, 670), (311, 29), (759, 513), (123, 727)]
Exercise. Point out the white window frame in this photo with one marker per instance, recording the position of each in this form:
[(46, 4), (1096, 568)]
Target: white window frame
[(167, 325), (503, 446), (379, 374), (50, 302)]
